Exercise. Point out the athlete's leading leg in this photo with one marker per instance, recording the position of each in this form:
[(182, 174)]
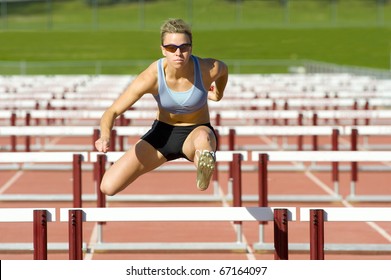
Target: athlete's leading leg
[(140, 159), (200, 146)]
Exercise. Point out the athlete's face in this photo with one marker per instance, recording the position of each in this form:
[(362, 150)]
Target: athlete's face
[(176, 48)]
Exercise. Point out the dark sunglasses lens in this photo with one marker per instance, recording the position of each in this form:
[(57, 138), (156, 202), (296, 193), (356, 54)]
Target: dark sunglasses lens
[(173, 48), (184, 48)]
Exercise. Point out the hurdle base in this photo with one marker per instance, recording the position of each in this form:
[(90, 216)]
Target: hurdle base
[(118, 198), (29, 247), (375, 147), (290, 198), (59, 147), (12, 166), (183, 198), (328, 247), (358, 248), (368, 198), (36, 197), (254, 147), (269, 247), (181, 246), (46, 167), (166, 198)]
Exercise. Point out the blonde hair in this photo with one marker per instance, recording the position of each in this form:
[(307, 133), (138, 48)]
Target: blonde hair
[(175, 25)]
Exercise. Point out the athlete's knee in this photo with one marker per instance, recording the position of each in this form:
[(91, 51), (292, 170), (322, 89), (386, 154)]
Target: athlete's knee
[(203, 136), (205, 140), (108, 188)]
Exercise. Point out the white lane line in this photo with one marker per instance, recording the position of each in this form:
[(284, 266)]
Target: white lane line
[(91, 244), (380, 230), (250, 253), (319, 183), (11, 181)]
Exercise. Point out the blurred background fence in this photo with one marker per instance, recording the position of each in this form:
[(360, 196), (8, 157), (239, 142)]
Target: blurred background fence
[(142, 14), (136, 66)]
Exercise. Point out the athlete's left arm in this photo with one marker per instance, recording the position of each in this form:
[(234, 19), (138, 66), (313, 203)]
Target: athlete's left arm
[(219, 77)]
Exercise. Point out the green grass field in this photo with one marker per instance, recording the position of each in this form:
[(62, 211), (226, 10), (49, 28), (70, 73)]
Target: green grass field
[(255, 30)]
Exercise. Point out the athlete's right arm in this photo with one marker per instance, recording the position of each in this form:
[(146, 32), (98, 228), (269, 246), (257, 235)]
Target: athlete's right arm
[(144, 83)]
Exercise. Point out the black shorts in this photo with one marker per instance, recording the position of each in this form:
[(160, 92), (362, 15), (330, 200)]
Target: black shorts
[(168, 139)]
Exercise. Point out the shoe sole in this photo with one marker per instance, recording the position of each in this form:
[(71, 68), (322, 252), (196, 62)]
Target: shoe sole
[(206, 166)]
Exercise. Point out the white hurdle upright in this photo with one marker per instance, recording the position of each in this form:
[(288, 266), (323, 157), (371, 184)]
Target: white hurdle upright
[(326, 156), (75, 218), (316, 216), (40, 218)]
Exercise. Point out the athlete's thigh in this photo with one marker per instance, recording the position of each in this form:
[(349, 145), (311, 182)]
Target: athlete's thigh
[(201, 137), (141, 158)]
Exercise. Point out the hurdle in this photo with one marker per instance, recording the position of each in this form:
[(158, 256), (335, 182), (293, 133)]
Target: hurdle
[(39, 218), (251, 130), (11, 102), (75, 218), (229, 116), (243, 130), (318, 216), (235, 158), (355, 115), (31, 158), (103, 102), (124, 131), (366, 131), (48, 131), (5, 114), (49, 115), (354, 132), (221, 156), (290, 130), (65, 131), (319, 156), (247, 130)]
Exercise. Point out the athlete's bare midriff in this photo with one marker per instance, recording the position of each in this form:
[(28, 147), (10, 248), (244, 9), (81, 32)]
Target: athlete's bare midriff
[(199, 117)]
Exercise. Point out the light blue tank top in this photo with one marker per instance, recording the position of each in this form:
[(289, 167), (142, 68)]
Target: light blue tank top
[(181, 102)]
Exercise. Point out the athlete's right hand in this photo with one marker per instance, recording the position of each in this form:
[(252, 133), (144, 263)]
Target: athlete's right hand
[(102, 144)]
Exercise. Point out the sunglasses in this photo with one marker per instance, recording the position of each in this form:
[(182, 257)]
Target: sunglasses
[(172, 48)]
